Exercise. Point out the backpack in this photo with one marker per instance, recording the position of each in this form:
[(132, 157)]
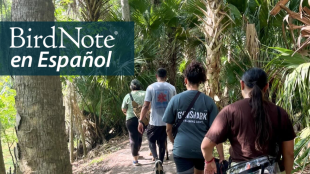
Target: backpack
[(137, 110)]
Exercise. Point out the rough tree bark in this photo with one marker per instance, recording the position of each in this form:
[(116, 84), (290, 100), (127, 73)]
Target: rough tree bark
[(125, 10), (212, 28), (70, 112), (42, 145), (252, 43), (40, 119), (80, 119)]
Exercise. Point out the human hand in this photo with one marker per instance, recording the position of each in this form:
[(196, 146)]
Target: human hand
[(210, 168), (221, 160), (140, 128)]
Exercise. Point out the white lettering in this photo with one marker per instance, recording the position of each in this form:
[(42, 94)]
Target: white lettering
[(42, 58), (29, 58), (91, 41), (14, 60), (60, 60), (78, 58), (108, 38), (13, 36), (77, 43), (53, 39)]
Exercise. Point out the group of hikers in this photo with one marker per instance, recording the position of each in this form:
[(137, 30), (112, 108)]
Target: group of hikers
[(260, 133)]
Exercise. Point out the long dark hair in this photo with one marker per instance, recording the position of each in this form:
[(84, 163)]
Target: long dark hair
[(256, 79), (195, 73)]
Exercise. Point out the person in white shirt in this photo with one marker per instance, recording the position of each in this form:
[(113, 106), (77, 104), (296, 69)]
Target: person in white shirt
[(158, 95)]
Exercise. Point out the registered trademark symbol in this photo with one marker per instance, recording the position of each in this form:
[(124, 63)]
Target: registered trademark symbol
[(115, 32)]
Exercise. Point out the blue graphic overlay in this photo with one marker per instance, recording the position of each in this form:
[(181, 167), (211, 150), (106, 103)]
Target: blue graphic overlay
[(67, 48)]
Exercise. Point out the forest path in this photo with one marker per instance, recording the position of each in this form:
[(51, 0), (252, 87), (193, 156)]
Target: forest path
[(120, 162), (115, 158)]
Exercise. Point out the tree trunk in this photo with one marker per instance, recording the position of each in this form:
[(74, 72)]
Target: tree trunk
[(42, 145), (2, 166), (82, 132), (79, 120), (125, 10), (252, 43), (213, 28), (70, 109), (40, 118)]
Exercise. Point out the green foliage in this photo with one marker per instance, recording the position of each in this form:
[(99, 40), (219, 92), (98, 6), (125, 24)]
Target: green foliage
[(302, 150), (291, 76), (240, 4), (5, 10), (7, 103), (7, 117), (61, 10), (235, 14)]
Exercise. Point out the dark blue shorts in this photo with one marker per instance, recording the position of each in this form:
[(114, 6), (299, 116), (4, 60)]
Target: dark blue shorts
[(187, 165)]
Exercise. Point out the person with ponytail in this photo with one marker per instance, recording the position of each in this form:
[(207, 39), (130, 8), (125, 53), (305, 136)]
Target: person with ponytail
[(253, 125), (194, 113)]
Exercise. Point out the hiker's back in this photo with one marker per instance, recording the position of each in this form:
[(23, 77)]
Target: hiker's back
[(159, 94), (194, 126), (241, 125)]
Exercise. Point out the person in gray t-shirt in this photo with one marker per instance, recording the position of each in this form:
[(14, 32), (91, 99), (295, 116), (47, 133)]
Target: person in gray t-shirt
[(158, 95), (186, 145)]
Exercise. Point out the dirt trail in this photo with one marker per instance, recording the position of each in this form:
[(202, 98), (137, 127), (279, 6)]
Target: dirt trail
[(120, 162)]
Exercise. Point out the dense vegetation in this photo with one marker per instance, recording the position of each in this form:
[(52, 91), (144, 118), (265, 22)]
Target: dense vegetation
[(170, 34)]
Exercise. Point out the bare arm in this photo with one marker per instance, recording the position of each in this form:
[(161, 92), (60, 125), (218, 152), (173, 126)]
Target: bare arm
[(169, 132), (220, 151), (207, 147), (124, 111), (145, 108), (288, 155)]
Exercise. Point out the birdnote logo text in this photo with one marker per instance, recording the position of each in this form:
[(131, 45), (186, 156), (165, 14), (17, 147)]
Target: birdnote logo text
[(51, 61), (67, 48)]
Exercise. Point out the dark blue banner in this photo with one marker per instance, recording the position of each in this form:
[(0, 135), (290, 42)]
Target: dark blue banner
[(66, 48)]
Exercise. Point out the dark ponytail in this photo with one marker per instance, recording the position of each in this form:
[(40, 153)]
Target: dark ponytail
[(256, 79)]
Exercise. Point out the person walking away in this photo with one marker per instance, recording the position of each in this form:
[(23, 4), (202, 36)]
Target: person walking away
[(132, 121), (254, 127), (158, 95), (186, 145)]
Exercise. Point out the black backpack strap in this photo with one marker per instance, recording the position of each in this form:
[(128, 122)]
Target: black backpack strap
[(131, 97), (179, 121)]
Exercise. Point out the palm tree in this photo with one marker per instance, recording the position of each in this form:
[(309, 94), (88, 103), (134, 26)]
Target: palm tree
[(125, 10), (169, 24), (42, 146), (213, 26), (93, 10)]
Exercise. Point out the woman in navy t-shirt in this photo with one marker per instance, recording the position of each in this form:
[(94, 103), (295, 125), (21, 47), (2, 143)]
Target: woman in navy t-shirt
[(186, 145)]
